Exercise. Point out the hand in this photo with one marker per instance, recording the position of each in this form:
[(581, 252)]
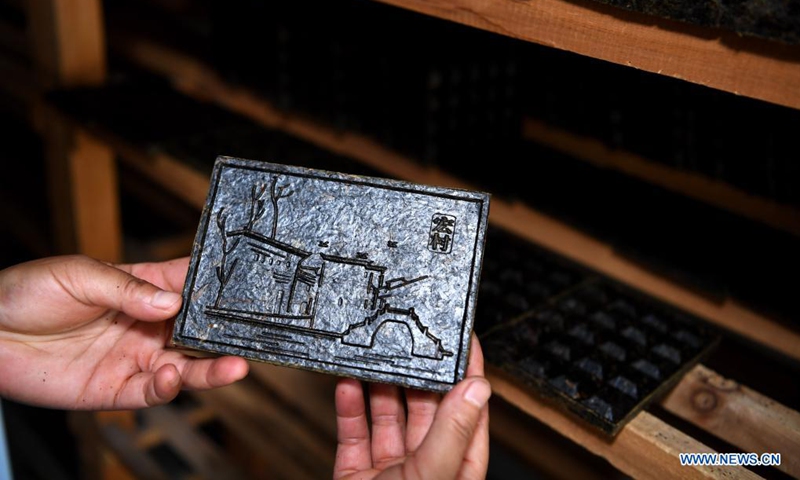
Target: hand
[(77, 333), (439, 439)]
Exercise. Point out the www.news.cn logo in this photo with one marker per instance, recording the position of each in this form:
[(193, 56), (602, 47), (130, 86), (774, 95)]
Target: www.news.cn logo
[(730, 459)]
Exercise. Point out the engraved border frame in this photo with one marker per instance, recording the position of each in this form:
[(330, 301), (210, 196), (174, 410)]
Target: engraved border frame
[(365, 373)]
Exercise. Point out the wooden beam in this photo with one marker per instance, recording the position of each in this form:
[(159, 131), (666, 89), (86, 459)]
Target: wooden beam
[(83, 189), (690, 184), (68, 50), (738, 415), (95, 198), (715, 58), (68, 41), (646, 448)]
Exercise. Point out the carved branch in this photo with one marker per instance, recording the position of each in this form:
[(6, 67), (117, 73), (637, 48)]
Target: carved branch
[(230, 271), (276, 193), (257, 208), (232, 247)]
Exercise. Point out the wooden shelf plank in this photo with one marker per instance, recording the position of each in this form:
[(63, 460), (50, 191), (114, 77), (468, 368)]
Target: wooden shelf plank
[(646, 448), (738, 415), (690, 184), (716, 58)]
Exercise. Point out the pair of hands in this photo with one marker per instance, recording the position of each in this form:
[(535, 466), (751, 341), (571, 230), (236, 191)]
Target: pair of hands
[(76, 333)]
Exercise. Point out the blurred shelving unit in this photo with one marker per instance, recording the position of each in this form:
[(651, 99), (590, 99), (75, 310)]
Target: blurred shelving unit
[(278, 423)]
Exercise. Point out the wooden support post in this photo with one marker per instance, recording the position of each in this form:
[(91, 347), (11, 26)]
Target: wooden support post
[(68, 50), (68, 41), (94, 198), (84, 198)]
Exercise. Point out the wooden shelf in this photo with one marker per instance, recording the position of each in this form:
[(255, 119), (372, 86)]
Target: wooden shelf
[(715, 58), (291, 427), (690, 184), (647, 445), (198, 80)]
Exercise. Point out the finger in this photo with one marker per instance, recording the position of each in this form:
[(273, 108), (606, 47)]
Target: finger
[(207, 373), (147, 389), (165, 386), (95, 283), (170, 374), (475, 367), (169, 275), (476, 460), (388, 425), (442, 452), (422, 408), (353, 450)]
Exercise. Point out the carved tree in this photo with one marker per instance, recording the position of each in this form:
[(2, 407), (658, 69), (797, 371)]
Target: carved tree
[(276, 193), (223, 272)]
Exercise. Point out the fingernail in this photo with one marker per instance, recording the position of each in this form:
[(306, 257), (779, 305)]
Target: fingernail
[(478, 392), (164, 300)]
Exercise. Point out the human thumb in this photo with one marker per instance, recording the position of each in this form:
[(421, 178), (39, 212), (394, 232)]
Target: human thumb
[(442, 452), (99, 284)]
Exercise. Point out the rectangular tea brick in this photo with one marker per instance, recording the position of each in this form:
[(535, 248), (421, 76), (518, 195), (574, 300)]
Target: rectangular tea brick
[(356, 276)]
